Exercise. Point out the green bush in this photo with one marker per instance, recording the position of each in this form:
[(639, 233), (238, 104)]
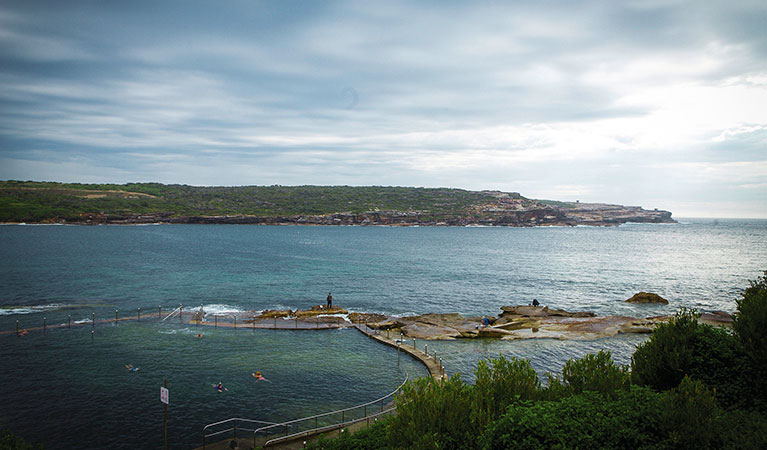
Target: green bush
[(664, 360), (595, 372), (587, 420), (9, 441), (433, 414), (499, 383), (750, 321), (373, 437), (688, 415)]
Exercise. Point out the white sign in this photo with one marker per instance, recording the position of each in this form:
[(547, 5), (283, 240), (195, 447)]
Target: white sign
[(164, 395)]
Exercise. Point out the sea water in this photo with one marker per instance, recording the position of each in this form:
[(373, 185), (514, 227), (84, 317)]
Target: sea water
[(69, 388)]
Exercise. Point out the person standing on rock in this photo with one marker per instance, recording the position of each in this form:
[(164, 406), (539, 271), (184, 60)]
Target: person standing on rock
[(330, 301)]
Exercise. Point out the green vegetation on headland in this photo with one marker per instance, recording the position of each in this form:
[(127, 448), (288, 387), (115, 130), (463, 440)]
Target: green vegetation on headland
[(690, 386), (45, 202)]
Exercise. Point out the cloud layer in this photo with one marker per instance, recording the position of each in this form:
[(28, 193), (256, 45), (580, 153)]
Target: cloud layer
[(652, 103)]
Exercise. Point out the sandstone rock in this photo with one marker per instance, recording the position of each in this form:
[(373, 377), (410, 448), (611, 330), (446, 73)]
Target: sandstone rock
[(271, 313), (369, 318), (315, 311), (647, 297), (538, 311)]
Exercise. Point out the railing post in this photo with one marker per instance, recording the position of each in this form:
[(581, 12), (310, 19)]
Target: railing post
[(159, 311), (296, 322), (254, 322), (235, 322), (235, 429), (93, 319), (286, 430), (115, 316), (17, 328), (139, 314), (180, 312), (426, 349), (343, 420), (215, 321), (275, 322), (69, 320), (45, 326)]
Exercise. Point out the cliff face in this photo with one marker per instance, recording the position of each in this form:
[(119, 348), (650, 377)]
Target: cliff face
[(538, 215)]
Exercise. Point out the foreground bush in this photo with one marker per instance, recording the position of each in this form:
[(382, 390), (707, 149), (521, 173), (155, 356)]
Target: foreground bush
[(433, 414), (595, 372), (500, 383), (373, 437), (750, 321), (587, 420), (664, 360)]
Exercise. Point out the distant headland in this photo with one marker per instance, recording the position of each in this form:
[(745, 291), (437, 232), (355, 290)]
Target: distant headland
[(142, 203)]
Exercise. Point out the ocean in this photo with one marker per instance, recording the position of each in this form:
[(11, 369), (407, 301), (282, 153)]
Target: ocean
[(69, 388)]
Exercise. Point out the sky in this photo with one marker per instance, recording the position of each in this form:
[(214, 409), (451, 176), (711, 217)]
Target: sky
[(660, 104)]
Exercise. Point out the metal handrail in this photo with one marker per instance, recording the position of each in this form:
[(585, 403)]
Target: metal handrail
[(171, 314), (318, 416), (206, 435)]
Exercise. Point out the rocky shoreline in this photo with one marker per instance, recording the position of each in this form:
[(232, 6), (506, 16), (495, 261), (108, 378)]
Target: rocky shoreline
[(506, 214), (514, 322)]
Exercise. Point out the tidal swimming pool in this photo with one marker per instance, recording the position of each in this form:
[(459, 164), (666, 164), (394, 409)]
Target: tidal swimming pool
[(67, 389)]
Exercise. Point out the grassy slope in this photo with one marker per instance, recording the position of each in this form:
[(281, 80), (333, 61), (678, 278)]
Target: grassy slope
[(40, 201)]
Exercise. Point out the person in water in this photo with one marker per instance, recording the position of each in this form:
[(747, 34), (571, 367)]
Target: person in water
[(199, 335), (258, 376), (330, 300), (220, 387), (131, 368)]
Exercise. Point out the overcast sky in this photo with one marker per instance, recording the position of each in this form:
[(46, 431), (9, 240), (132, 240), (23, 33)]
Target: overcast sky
[(661, 104)]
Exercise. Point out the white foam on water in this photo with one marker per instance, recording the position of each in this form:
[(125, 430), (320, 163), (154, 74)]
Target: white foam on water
[(219, 309), (11, 310)]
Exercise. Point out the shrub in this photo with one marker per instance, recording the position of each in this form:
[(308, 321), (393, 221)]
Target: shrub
[(499, 383), (433, 414), (750, 321), (587, 420), (664, 360), (9, 441), (688, 415), (369, 438), (595, 372)]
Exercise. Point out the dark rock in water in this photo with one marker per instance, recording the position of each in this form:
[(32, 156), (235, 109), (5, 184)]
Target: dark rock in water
[(647, 297)]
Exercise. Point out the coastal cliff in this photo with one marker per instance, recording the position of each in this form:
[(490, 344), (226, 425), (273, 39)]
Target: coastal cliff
[(142, 203)]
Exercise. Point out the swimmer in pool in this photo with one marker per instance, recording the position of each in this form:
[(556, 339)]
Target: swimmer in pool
[(258, 376)]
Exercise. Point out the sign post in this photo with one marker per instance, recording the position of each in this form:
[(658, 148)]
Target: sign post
[(164, 394)]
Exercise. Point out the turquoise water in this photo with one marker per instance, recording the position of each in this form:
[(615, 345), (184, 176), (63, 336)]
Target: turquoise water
[(73, 392)]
